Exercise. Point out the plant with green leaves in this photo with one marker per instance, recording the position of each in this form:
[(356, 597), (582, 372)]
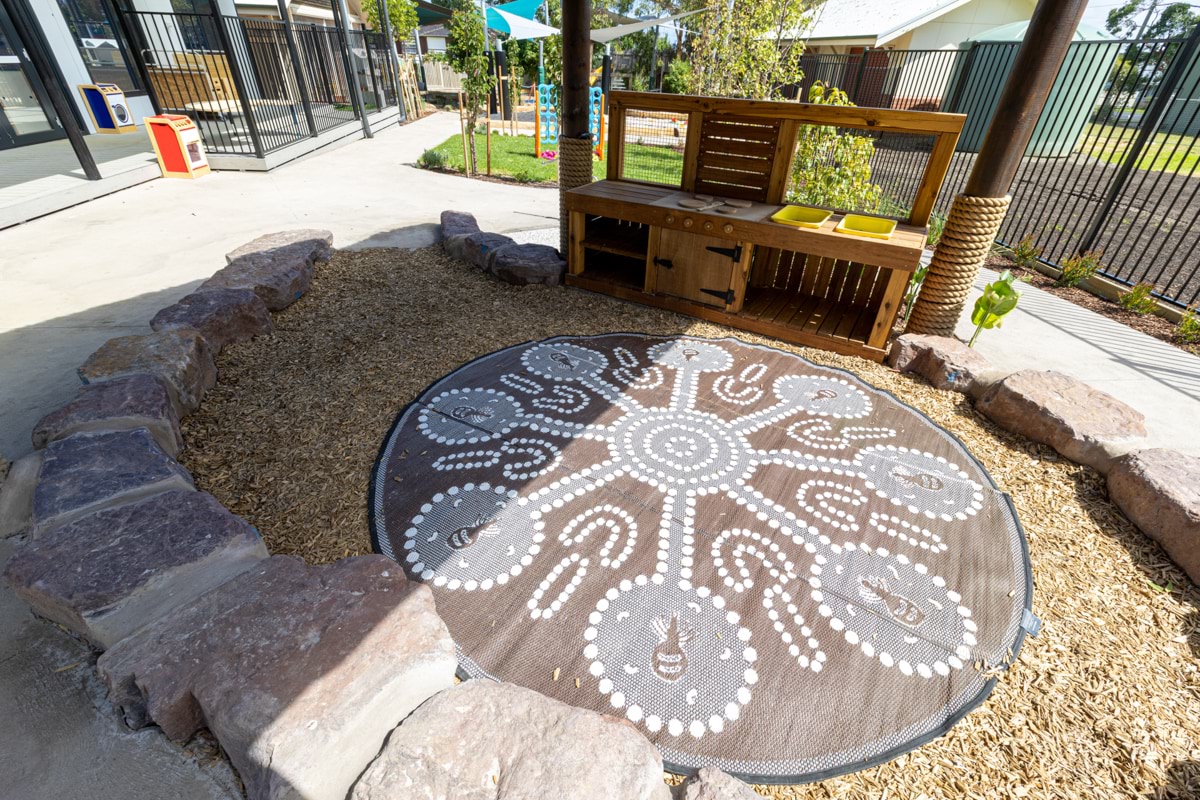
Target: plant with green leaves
[(830, 168), (678, 77), (914, 288), (402, 14), (998, 299), (433, 159), (1188, 330), (744, 48), (1078, 268), (1140, 299), (464, 52), (1025, 253)]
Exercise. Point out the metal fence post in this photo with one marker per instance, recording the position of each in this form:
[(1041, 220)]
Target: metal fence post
[(393, 68), (1180, 64), (301, 77), (239, 83), (862, 67), (341, 18)]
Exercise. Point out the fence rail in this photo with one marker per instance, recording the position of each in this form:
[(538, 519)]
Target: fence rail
[(1112, 165), (255, 86)]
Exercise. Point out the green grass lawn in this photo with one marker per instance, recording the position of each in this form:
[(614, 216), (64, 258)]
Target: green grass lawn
[(1163, 153), (513, 156)]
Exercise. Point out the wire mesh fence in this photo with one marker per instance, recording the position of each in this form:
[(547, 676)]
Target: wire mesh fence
[(254, 86), (1112, 164), (654, 145)]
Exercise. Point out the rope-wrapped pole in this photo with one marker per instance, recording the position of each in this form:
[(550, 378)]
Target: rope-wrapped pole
[(575, 141), (976, 214)]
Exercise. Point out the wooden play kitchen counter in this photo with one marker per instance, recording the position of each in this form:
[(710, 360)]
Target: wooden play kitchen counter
[(813, 286)]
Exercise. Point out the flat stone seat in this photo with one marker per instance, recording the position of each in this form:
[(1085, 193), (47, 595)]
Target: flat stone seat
[(945, 362), (223, 316), (121, 404), (480, 248), (1159, 490), (277, 267), (458, 223), (107, 574), (1082, 423), (525, 264), (90, 471), (299, 671), (483, 739), (183, 359)]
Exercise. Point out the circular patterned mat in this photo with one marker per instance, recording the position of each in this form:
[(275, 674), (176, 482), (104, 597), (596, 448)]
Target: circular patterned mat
[(765, 565)]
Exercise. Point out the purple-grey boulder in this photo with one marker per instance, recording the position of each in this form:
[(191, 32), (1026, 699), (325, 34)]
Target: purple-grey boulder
[(183, 359), (121, 404), (277, 267), (525, 264), (945, 362), (90, 471), (106, 574), (299, 671), (1159, 490), (497, 741), (1079, 421), (223, 316), (16, 495), (481, 247), (458, 223)]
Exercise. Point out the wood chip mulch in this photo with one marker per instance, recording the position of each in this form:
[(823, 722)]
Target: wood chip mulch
[(1105, 703), (1149, 324)]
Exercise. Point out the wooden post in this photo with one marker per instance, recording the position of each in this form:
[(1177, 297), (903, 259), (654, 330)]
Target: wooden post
[(462, 127), (976, 214), (574, 141)]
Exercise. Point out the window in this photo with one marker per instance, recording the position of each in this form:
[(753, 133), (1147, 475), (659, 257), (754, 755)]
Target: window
[(100, 44)]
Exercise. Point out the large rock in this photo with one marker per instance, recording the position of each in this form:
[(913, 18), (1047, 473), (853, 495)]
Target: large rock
[(16, 495), (945, 362), (299, 671), (3, 468), (497, 741), (90, 471), (183, 359), (223, 316), (122, 404), (525, 264), (1083, 423), (479, 248), (277, 267), (710, 783), (109, 573), (456, 227), (1159, 490)]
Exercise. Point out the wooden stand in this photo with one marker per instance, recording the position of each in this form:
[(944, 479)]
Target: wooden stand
[(633, 240)]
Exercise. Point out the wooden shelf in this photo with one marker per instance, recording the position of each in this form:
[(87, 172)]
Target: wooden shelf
[(808, 314), (629, 240), (617, 269)]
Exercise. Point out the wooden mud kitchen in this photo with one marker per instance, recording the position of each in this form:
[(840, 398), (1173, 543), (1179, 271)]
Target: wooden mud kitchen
[(700, 239)]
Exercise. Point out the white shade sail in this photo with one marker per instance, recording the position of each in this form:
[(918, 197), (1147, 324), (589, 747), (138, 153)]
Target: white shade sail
[(519, 27), (603, 35)]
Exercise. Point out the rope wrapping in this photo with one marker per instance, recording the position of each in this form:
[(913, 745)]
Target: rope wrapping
[(970, 230), (574, 170)]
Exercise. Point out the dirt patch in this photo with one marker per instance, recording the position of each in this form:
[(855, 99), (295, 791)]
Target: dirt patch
[(1104, 703), (1149, 324)]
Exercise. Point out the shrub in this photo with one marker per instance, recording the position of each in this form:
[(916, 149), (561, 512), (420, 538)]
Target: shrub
[(433, 159), (1078, 268), (1188, 330), (1139, 299), (937, 224), (677, 77), (1025, 253), (526, 176)]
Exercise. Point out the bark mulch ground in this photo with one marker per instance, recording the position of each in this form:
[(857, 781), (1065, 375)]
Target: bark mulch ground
[(1149, 324), (1104, 703)]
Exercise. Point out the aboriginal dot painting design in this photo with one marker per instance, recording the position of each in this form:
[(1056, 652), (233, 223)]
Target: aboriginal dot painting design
[(765, 565)]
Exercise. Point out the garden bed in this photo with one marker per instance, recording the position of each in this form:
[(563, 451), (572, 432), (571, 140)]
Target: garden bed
[(1105, 703)]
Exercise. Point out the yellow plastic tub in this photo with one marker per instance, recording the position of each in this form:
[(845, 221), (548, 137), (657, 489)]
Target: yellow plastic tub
[(862, 225), (801, 216)]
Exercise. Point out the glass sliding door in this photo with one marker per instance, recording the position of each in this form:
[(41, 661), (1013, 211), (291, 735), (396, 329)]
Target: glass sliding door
[(26, 115)]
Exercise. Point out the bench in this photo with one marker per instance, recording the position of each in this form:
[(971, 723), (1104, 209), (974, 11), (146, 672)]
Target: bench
[(631, 238)]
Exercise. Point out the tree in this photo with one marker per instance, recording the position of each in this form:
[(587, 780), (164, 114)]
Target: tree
[(1130, 20), (402, 14), (833, 169), (464, 52), (749, 48)]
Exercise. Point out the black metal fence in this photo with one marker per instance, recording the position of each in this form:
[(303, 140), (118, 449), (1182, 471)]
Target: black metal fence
[(1112, 165), (254, 86)]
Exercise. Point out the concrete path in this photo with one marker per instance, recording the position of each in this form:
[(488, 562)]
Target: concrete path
[(1047, 332), (76, 278)]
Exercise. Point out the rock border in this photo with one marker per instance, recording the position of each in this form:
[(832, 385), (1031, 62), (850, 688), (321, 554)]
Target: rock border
[(197, 625), (1158, 489)]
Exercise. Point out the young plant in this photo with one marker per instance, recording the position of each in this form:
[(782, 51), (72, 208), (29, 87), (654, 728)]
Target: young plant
[(433, 159), (1078, 268), (1188, 330), (937, 225), (914, 289), (1139, 299), (1025, 253), (999, 298)]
